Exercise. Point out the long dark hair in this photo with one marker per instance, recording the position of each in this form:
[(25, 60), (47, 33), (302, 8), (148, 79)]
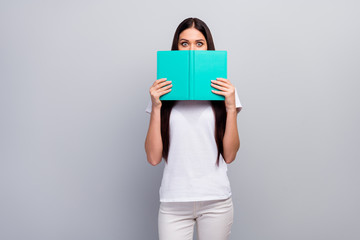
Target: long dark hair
[(217, 106)]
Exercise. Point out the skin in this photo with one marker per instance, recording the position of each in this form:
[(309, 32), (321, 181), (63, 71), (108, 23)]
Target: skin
[(192, 39)]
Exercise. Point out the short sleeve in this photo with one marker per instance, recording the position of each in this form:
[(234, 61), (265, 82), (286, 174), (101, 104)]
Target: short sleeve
[(237, 102), (149, 107)]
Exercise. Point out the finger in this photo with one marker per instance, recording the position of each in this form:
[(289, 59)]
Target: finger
[(162, 84), (155, 92), (163, 92), (165, 88), (219, 87), (218, 92), (223, 80), (226, 85), (157, 82), (160, 80)]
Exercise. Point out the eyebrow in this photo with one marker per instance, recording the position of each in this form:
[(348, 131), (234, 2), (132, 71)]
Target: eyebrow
[(195, 40)]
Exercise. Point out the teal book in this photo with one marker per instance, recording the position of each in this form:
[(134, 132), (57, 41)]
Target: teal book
[(191, 72)]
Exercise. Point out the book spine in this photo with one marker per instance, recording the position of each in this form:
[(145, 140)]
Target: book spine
[(191, 74)]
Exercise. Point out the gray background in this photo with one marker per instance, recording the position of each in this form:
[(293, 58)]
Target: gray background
[(74, 82)]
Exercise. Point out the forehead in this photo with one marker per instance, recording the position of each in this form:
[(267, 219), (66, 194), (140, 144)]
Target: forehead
[(191, 34)]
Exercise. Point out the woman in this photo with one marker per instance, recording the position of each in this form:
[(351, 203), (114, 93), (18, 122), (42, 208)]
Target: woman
[(197, 139)]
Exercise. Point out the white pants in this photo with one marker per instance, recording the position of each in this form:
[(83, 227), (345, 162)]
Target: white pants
[(213, 220)]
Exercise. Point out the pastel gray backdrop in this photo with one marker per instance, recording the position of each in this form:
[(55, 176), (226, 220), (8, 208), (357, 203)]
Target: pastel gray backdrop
[(74, 85)]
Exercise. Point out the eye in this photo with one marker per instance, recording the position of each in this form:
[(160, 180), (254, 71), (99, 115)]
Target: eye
[(182, 44), (200, 43)]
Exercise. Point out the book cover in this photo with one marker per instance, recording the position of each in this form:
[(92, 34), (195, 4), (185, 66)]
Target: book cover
[(191, 72)]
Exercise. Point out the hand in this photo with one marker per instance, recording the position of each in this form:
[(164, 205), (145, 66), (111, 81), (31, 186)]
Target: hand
[(227, 90), (158, 89)]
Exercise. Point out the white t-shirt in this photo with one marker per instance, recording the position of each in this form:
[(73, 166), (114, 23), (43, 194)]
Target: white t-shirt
[(191, 173)]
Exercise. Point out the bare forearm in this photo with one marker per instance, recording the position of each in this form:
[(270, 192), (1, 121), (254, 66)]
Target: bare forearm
[(153, 142), (231, 141)]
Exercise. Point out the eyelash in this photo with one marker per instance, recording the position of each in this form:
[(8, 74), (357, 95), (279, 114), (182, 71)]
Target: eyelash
[(186, 42)]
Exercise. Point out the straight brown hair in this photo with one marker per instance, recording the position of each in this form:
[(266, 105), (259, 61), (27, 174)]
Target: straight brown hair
[(217, 106)]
